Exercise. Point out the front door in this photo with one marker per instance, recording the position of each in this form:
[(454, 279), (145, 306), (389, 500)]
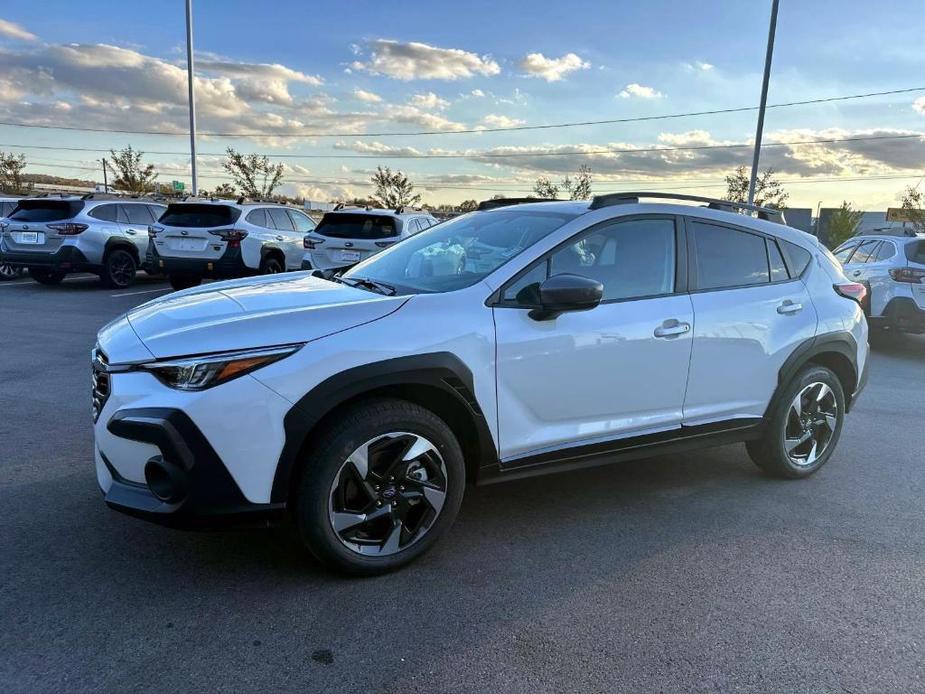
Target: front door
[(614, 371)]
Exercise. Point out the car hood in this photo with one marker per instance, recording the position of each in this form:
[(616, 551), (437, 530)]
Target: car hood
[(256, 312)]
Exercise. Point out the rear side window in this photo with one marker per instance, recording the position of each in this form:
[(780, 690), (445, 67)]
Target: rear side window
[(257, 218), (188, 214), (157, 211), (105, 213), (279, 218), (843, 253), (356, 226), (137, 214), (886, 251), (302, 222), (864, 252), (46, 210), (778, 267), (725, 257), (915, 252), (797, 258)]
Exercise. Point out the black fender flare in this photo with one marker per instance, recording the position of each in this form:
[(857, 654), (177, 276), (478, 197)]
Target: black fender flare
[(123, 245), (269, 249), (441, 370)]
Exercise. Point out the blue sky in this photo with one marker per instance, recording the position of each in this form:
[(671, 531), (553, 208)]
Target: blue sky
[(316, 78)]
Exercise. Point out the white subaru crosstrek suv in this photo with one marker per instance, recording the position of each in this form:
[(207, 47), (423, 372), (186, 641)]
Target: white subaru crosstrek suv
[(589, 332), (347, 236), (893, 270), (224, 239)]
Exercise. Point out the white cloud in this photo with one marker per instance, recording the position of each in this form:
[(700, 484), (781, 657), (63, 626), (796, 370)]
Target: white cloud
[(430, 121), (639, 91), (429, 101), (493, 120), (415, 60), (13, 31), (478, 93), (273, 71), (698, 65), (366, 96), (363, 147), (552, 69), (919, 105)]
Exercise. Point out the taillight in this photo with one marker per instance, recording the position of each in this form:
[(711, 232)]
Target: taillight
[(232, 237), (852, 290), (908, 275), (68, 228), (310, 243), (153, 231)]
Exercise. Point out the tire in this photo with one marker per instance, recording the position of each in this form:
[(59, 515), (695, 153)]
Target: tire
[(184, 281), (119, 269), (822, 403), (270, 265), (8, 272), (48, 277), (382, 432)]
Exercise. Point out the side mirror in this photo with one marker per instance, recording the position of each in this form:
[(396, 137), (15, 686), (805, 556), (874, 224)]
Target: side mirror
[(567, 292)]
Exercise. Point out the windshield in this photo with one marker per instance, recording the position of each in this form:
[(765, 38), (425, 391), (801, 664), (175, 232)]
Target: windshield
[(199, 215), (356, 226), (460, 252)]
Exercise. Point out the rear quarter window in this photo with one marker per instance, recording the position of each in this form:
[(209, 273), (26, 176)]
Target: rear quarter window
[(797, 257), (199, 215), (915, 252)]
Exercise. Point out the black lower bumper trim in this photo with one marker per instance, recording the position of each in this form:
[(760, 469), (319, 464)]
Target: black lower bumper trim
[(904, 315), (210, 497), (65, 259), (229, 265)]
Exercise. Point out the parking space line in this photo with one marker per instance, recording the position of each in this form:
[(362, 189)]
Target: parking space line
[(143, 291)]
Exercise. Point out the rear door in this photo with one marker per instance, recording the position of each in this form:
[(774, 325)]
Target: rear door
[(351, 237), (303, 224), (750, 315), (286, 238), (135, 220), (32, 226), (186, 230)]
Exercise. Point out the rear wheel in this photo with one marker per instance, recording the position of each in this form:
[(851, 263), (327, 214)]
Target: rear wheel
[(119, 269), (270, 265), (805, 426), (46, 276), (184, 281), (8, 272), (380, 488)]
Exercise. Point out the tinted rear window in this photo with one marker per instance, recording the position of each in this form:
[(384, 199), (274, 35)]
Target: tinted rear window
[(46, 210), (198, 215), (915, 252), (356, 226)]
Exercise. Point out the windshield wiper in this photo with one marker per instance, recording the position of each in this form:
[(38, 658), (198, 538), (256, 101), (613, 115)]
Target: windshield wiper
[(365, 283)]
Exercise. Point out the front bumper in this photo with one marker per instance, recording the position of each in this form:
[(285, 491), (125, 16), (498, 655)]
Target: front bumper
[(195, 489), (904, 315), (228, 266), (65, 259)]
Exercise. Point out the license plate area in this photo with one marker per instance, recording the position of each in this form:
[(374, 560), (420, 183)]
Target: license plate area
[(28, 237), (183, 244), (348, 256)]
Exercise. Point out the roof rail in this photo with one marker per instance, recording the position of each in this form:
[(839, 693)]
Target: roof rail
[(505, 202), (765, 213)]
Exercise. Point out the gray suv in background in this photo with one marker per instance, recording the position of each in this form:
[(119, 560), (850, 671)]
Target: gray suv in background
[(56, 236), (8, 272)]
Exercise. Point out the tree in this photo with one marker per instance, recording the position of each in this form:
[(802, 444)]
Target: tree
[(11, 168), (843, 224), (468, 206), (253, 173), (225, 191), (131, 174), (913, 205), (580, 188), (544, 188), (393, 189), (769, 191)]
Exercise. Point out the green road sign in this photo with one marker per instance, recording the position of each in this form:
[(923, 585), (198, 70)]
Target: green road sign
[(178, 185)]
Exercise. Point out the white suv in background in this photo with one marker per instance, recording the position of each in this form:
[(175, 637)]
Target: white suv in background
[(223, 239), (347, 236), (103, 234), (581, 333), (893, 270)]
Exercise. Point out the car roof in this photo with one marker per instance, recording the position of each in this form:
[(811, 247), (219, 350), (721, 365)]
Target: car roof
[(883, 237), (379, 212)]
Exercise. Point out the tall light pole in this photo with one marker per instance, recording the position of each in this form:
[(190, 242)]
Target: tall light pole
[(192, 95), (764, 101)]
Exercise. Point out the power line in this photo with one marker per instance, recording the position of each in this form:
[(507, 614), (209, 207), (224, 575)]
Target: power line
[(512, 128), (504, 155)]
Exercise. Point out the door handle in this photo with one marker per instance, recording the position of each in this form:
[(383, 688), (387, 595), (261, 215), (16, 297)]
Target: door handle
[(856, 273), (130, 232), (279, 238), (672, 328), (789, 307)]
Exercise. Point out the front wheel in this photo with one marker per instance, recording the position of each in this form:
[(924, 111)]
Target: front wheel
[(804, 427), (46, 276), (380, 488), (184, 281)]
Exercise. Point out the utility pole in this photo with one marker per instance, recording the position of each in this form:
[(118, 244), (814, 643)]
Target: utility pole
[(764, 101), (105, 177), (192, 96)]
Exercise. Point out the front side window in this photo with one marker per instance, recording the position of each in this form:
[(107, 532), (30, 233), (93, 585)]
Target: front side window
[(726, 257), (459, 252)]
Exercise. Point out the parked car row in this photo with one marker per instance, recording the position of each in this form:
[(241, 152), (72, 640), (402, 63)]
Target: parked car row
[(190, 240)]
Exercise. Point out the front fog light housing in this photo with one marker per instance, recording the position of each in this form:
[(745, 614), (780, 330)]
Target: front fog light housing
[(199, 373)]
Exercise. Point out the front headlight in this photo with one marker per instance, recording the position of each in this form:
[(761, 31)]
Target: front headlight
[(199, 373)]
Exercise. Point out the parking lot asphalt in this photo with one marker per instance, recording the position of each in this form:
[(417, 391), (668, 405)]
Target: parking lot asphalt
[(680, 573)]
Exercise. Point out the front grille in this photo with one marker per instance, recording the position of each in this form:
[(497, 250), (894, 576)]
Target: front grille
[(100, 384)]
